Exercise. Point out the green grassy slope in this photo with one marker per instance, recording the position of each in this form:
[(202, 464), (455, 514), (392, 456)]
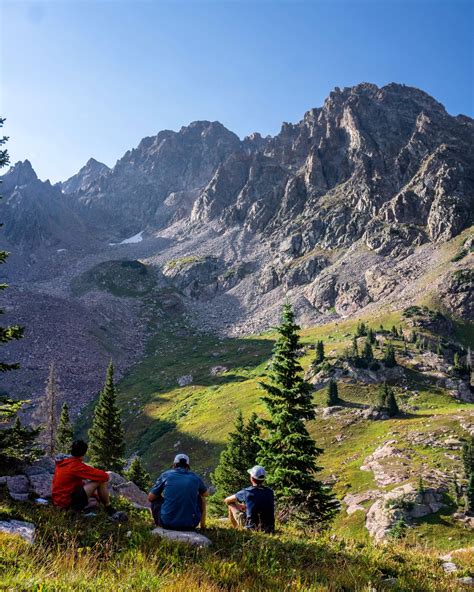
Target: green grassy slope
[(75, 553)]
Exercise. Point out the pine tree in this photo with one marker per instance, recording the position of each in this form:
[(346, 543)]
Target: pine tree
[(470, 495), (355, 348), (319, 352), (457, 363), (138, 474), (468, 457), (367, 352), (394, 331), (439, 349), (371, 336), (388, 401), (287, 451), (17, 443), (64, 432), (361, 329), (106, 436), (389, 358), (46, 414), (239, 455), (333, 394)]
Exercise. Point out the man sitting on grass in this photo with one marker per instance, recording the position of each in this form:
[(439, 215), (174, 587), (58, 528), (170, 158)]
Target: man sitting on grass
[(178, 497), (70, 489), (253, 507)]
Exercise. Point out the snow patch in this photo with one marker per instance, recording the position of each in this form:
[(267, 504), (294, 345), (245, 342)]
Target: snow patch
[(136, 238)]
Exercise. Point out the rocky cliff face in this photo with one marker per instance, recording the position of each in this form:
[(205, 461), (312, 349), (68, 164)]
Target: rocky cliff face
[(366, 201), (89, 174)]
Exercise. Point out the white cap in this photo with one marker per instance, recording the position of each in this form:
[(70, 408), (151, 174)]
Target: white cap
[(257, 472), (179, 457)]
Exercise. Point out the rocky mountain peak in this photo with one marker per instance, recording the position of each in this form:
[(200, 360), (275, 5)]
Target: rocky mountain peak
[(88, 174), (21, 173)]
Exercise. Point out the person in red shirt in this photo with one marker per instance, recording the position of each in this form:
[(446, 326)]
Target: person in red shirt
[(70, 491)]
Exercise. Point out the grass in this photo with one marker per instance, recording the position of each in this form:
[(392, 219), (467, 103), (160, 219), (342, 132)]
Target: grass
[(162, 418), (123, 278), (73, 553)]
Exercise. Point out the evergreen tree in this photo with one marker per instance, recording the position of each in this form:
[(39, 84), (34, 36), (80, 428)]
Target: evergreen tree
[(470, 495), (138, 474), (388, 401), (394, 331), (17, 443), (106, 436), (355, 348), (361, 329), (333, 394), (371, 336), (468, 457), (64, 432), (439, 349), (236, 459), (287, 451), (319, 352), (389, 358), (367, 352)]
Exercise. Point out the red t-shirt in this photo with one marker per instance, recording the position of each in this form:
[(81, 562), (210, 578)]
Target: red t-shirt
[(69, 474)]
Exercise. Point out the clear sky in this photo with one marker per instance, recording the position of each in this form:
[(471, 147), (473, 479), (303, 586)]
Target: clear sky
[(89, 78)]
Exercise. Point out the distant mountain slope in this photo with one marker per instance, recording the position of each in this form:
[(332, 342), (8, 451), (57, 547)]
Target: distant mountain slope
[(365, 205), (88, 174)]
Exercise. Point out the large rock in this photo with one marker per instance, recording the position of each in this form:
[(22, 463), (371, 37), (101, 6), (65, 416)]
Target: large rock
[(189, 538), (18, 487), (41, 484), (26, 530), (119, 486)]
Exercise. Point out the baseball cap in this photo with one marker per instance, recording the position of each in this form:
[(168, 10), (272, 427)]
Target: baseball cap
[(180, 457), (257, 472)]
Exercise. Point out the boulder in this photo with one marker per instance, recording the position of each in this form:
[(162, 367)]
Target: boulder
[(18, 487), (26, 530), (185, 380), (216, 370), (118, 485), (40, 467), (189, 538), (41, 484)]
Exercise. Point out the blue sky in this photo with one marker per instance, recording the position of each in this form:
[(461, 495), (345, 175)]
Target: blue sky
[(87, 78)]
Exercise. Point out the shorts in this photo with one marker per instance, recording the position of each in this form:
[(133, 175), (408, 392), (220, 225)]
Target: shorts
[(79, 499)]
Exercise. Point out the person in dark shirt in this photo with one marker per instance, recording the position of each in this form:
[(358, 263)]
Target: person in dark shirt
[(178, 497), (253, 507)]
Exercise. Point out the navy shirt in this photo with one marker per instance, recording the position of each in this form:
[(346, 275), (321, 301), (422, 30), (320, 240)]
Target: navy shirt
[(180, 489), (260, 505)]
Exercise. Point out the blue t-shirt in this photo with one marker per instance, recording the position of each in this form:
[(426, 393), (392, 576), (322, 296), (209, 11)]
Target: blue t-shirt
[(260, 505), (180, 489)]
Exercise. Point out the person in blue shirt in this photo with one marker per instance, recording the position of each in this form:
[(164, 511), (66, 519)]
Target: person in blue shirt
[(178, 497), (253, 507)]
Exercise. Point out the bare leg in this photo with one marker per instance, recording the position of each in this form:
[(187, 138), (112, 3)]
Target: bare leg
[(100, 489), (235, 515)]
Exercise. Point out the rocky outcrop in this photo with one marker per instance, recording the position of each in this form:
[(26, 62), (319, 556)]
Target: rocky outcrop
[(26, 530), (89, 174)]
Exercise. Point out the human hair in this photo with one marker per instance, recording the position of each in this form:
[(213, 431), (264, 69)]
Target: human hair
[(257, 481), (182, 464), (78, 448)]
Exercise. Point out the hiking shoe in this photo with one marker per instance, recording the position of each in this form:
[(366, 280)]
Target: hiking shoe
[(119, 517)]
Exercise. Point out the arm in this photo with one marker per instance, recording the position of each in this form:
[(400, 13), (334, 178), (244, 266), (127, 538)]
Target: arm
[(204, 508), (157, 490), (232, 499), (86, 472)]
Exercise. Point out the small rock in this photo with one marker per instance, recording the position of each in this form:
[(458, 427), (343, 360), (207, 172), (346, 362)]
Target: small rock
[(24, 529), (190, 538), (450, 567), (185, 380), (216, 370), (467, 581)]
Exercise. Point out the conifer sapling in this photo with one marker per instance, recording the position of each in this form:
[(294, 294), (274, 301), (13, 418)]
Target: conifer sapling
[(138, 474), (65, 432)]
